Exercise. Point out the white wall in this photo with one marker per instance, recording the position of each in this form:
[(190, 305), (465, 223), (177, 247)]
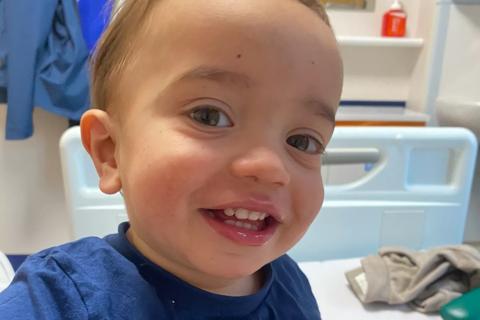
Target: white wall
[(461, 61), (420, 78), (32, 207), (459, 86), (385, 72)]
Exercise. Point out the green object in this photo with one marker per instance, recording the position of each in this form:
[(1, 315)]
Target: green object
[(467, 307)]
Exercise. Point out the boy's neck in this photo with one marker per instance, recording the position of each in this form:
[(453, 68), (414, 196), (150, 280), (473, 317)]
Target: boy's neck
[(230, 287)]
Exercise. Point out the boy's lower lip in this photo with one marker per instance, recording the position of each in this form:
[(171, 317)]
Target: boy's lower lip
[(241, 236)]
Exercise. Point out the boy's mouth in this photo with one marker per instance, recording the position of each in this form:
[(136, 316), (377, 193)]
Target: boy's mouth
[(241, 225)]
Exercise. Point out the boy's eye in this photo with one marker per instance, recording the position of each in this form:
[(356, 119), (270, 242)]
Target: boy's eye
[(306, 143), (210, 116)]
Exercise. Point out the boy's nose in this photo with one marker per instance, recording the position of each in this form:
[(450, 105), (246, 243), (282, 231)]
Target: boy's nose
[(261, 165)]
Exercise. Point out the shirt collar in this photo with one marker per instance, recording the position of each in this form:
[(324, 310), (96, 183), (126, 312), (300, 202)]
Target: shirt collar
[(180, 293)]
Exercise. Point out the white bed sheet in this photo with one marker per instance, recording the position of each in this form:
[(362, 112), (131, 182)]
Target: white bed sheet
[(337, 301), (6, 272)]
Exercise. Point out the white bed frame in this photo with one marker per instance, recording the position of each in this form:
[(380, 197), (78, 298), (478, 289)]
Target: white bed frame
[(416, 193)]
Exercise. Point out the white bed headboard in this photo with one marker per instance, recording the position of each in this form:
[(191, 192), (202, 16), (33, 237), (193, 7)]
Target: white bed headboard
[(415, 194)]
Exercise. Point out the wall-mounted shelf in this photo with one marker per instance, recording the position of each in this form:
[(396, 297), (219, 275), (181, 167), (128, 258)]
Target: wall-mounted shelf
[(380, 42), (380, 116)]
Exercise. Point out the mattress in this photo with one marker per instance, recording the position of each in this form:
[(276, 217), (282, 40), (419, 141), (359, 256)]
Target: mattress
[(337, 301)]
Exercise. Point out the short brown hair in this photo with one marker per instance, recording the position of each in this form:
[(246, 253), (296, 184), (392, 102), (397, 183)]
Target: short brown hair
[(115, 47)]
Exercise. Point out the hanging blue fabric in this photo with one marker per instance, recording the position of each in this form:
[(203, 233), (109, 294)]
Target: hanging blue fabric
[(94, 17), (43, 62)]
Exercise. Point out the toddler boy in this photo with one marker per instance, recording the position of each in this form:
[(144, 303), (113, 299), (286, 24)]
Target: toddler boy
[(211, 118)]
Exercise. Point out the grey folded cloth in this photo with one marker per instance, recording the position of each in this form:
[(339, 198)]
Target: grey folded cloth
[(426, 280)]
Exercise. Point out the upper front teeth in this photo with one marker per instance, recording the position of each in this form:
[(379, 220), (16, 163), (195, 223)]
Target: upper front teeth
[(243, 214)]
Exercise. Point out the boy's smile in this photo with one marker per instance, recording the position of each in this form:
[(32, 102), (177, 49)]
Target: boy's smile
[(216, 135), (251, 222)]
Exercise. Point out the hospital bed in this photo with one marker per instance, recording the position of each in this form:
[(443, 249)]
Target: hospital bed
[(413, 191)]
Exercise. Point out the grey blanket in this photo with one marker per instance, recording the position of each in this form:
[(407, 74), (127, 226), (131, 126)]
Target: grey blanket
[(425, 280)]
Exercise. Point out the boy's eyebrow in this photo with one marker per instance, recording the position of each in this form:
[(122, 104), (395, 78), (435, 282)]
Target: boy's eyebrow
[(216, 75), (319, 108)]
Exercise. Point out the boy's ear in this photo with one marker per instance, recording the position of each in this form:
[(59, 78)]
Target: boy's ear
[(97, 138)]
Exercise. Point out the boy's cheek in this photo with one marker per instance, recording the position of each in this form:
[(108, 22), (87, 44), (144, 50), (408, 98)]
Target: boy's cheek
[(306, 203), (310, 192), (171, 177)]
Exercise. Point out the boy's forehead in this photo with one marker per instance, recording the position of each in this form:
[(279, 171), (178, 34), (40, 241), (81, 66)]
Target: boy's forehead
[(214, 33), (232, 24), (253, 13)]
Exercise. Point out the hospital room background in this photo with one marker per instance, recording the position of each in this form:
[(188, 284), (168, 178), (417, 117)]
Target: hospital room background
[(427, 79)]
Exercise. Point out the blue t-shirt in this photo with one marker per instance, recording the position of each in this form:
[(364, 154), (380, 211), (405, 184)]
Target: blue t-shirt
[(108, 278)]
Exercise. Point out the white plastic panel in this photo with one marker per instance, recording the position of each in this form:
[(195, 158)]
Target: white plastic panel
[(415, 195), (460, 68)]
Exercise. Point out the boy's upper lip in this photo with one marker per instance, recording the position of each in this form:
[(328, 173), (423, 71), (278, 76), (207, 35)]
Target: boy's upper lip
[(253, 204)]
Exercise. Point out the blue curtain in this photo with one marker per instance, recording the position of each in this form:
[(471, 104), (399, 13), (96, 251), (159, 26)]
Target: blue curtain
[(43, 62)]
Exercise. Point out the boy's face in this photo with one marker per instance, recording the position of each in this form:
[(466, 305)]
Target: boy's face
[(227, 105)]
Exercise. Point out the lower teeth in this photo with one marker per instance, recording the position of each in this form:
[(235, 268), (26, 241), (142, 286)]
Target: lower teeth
[(240, 224)]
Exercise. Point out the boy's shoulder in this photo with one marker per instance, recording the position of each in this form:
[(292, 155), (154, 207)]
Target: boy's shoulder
[(91, 263), (288, 274), (89, 255), (287, 267), (92, 278), (82, 250), (291, 296)]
